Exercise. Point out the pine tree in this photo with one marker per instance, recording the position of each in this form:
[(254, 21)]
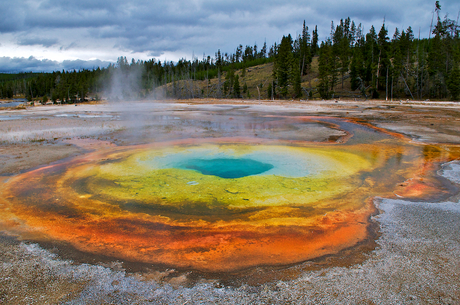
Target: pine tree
[(236, 87), (305, 52), (357, 70), (453, 82), (283, 65), (296, 80), (397, 49), (270, 91), (263, 51), (314, 42), (325, 67), (229, 81), (341, 46), (371, 58), (383, 58)]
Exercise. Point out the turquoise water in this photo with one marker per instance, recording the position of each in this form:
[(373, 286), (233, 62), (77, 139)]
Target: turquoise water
[(227, 168), (223, 161)]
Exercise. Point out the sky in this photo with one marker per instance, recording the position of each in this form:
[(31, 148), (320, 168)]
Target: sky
[(51, 35)]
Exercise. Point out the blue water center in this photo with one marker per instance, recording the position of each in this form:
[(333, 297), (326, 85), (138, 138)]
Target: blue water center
[(226, 167)]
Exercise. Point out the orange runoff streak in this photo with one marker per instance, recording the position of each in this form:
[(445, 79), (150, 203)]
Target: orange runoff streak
[(55, 213)]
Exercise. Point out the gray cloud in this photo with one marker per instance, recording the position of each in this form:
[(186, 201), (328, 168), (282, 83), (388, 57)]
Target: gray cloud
[(68, 47), (186, 26), (32, 64), (31, 41), (83, 64), (8, 64)]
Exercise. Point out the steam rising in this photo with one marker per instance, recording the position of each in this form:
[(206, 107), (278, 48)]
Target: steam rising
[(124, 83)]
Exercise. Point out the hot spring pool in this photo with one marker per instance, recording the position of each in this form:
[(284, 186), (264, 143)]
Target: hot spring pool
[(227, 167), (219, 204)]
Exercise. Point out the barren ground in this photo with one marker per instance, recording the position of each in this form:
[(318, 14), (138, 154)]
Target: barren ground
[(414, 261)]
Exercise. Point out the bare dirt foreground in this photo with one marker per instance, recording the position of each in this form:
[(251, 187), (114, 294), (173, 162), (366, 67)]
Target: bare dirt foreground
[(414, 259)]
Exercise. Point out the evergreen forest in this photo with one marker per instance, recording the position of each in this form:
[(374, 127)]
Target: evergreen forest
[(349, 63)]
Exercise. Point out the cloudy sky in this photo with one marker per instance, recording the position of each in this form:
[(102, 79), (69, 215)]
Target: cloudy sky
[(47, 35)]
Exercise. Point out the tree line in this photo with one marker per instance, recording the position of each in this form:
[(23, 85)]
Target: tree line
[(347, 63), (399, 67), (137, 79), (371, 65)]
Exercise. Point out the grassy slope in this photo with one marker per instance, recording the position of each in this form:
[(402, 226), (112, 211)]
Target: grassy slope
[(257, 79)]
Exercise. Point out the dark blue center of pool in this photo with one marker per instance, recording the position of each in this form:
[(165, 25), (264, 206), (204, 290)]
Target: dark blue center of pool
[(227, 168)]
